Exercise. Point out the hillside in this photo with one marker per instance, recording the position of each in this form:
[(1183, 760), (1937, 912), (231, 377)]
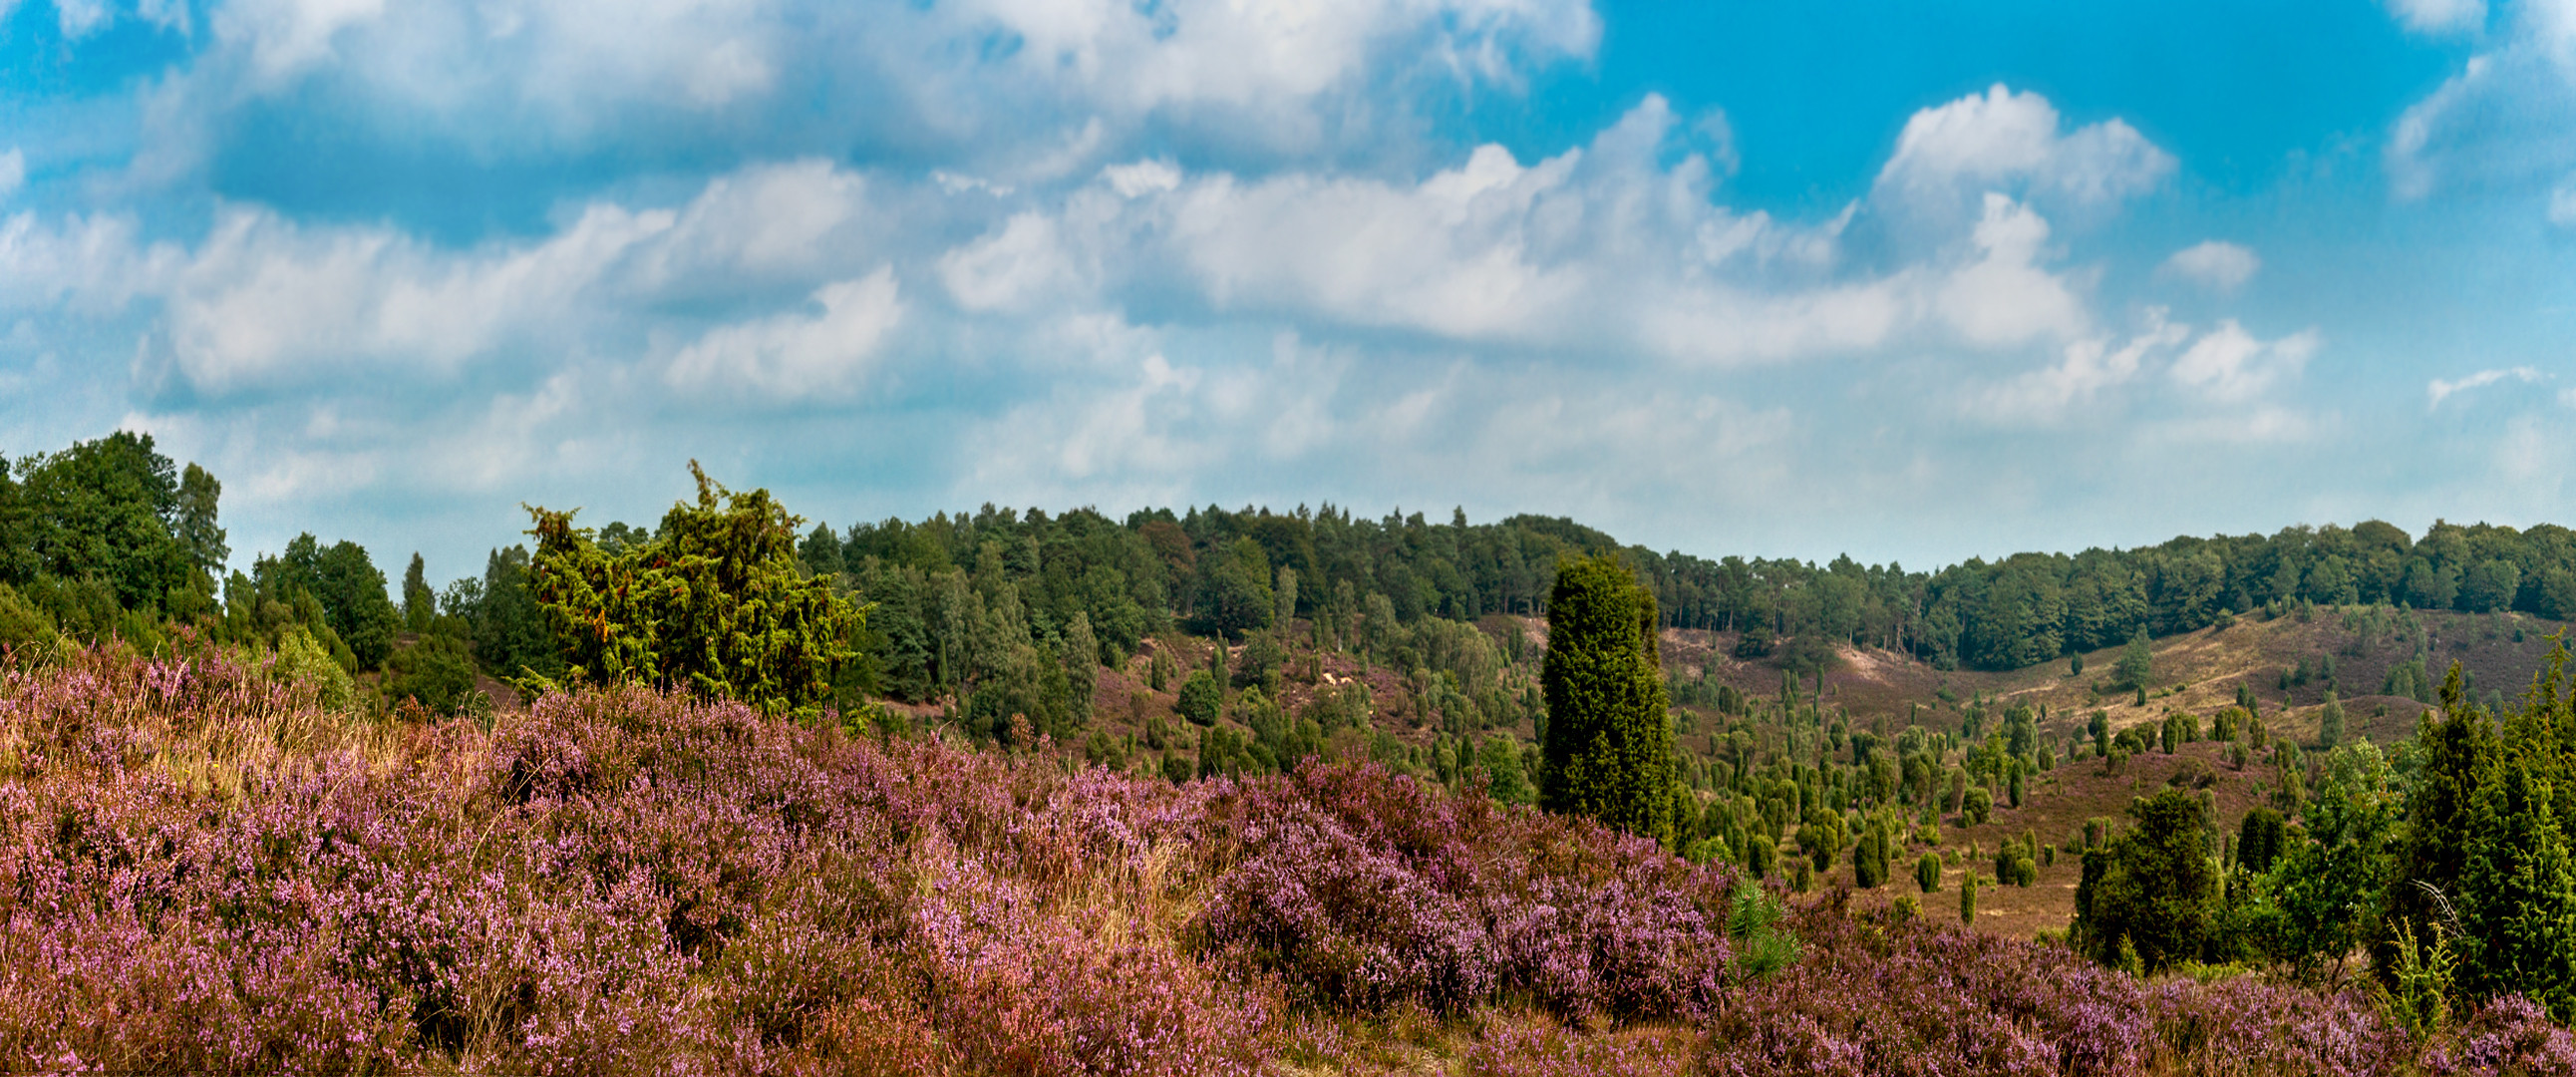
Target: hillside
[(206, 872), (2198, 673)]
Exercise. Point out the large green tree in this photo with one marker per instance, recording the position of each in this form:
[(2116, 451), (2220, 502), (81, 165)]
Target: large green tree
[(349, 587), (195, 522), (717, 602), (107, 509), (1609, 746), (2153, 889)]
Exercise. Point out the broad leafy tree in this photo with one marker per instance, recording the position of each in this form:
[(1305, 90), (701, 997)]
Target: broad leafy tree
[(104, 508)]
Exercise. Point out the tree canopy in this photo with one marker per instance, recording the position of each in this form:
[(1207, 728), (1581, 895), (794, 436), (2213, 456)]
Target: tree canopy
[(716, 601)]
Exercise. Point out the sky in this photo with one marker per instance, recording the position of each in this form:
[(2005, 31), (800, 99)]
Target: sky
[(1913, 282)]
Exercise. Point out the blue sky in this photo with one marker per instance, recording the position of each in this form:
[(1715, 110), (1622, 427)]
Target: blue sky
[(1915, 282)]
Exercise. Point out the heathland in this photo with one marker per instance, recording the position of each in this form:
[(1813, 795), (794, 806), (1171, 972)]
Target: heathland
[(1252, 791)]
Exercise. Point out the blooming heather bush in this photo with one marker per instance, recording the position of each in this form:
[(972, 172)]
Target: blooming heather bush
[(1360, 888), (1544, 1048), (204, 870), (2511, 1035), (1876, 996)]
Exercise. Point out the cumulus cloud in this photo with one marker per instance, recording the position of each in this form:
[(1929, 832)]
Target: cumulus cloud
[(2230, 365), (2003, 139), (797, 354), (2505, 123), (265, 300), (1017, 268), (1009, 90), (89, 263), (2438, 390), (2086, 369), (1126, 326), (2439, 16), (2214, 264), (2004, 297)]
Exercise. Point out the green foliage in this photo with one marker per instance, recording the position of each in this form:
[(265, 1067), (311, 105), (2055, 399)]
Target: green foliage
[(1822, 838), (503, 619), (1977, 806), (2136, 667), (1608, 745), (346, 585), (1507, 779), (1236, 596), (1200, 699), (2152, 889), (105, 509), (304, 663), (1927, 871), (1762, 945), (2330, 886), (26, 633), (419, 603), (2330, 722), (1869, 857), (820, 553), (1761, 857), (437, 671), (2422, 978), (2260, 839), (2487, 846), (715, 602), (196, 525)]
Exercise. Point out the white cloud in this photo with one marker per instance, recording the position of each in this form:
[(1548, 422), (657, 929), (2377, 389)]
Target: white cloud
[(92, 264), (2214, 264), (1016, 268), (2087, 368), (13, 172), (2439, 16), (2506, 123), (2230, 365), (766, 224), (1017, 90), (2003, 297), (1452, 255), (81, 18), (2439, 390), (795, 355), (1252, 52), (284, 38), (1979, 143), (266, 300), (1142, 178)]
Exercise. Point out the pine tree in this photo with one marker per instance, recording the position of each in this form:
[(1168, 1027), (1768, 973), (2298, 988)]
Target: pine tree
[(2330, 723), (1608, 744), (419, 603)]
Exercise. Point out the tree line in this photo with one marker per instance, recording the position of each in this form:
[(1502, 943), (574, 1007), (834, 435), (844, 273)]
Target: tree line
[(108, 537)]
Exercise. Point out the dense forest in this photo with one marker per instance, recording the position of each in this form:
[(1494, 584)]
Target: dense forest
[(109, 536)]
